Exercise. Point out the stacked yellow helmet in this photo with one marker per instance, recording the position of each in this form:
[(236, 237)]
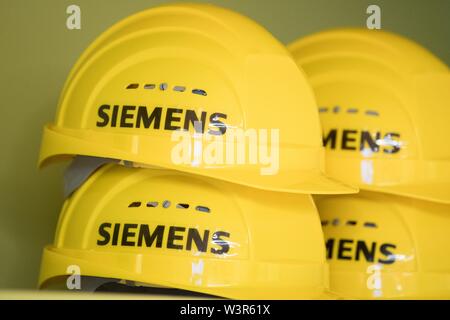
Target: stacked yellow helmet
[(139, 213), (384, 104)]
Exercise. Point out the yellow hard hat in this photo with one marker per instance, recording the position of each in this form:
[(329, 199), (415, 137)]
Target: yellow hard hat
[(169, 68), (163, 228), (384, 104), (386, 246)]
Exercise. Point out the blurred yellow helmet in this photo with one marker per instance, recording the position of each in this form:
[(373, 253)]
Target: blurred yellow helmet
[(386, 246), (384, 104), (162, 228), (199, 69)]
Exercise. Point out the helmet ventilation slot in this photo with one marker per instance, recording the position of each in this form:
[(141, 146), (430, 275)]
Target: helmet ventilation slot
[(166, 204), (133, 86), (372, 113), (337, 109), (165, 86), (179, 88), (351, 223), (202, 209), (199, 92), (370, 225), (134, 204), (152, 204), (149, 86)]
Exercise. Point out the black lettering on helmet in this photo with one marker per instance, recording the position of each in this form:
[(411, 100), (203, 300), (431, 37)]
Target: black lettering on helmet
[(116, 234), (191, 118), (104, 233), (369, 254), (384, 249), (114, 116), (173, 237), (143, 117), (214, 120), (359, 249), (125, 116), (128, 116), (103, 115), (343, 248), (394, 145), (200, 243), (144, 234), (223, 244), (330, 138), (178, 238), (329, 246), (126, 234), (350, 138), (366, 138), (170, 118), (346, 139)]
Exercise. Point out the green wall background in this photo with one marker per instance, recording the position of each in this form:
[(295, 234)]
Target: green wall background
[(37, 52)]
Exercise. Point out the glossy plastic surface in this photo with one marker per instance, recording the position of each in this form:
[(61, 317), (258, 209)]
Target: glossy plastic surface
[(386, 246), (170, 229), (165, 69), (384, 104)]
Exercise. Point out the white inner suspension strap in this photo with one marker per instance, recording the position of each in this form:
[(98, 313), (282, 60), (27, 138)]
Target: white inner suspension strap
[(80, 169)]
